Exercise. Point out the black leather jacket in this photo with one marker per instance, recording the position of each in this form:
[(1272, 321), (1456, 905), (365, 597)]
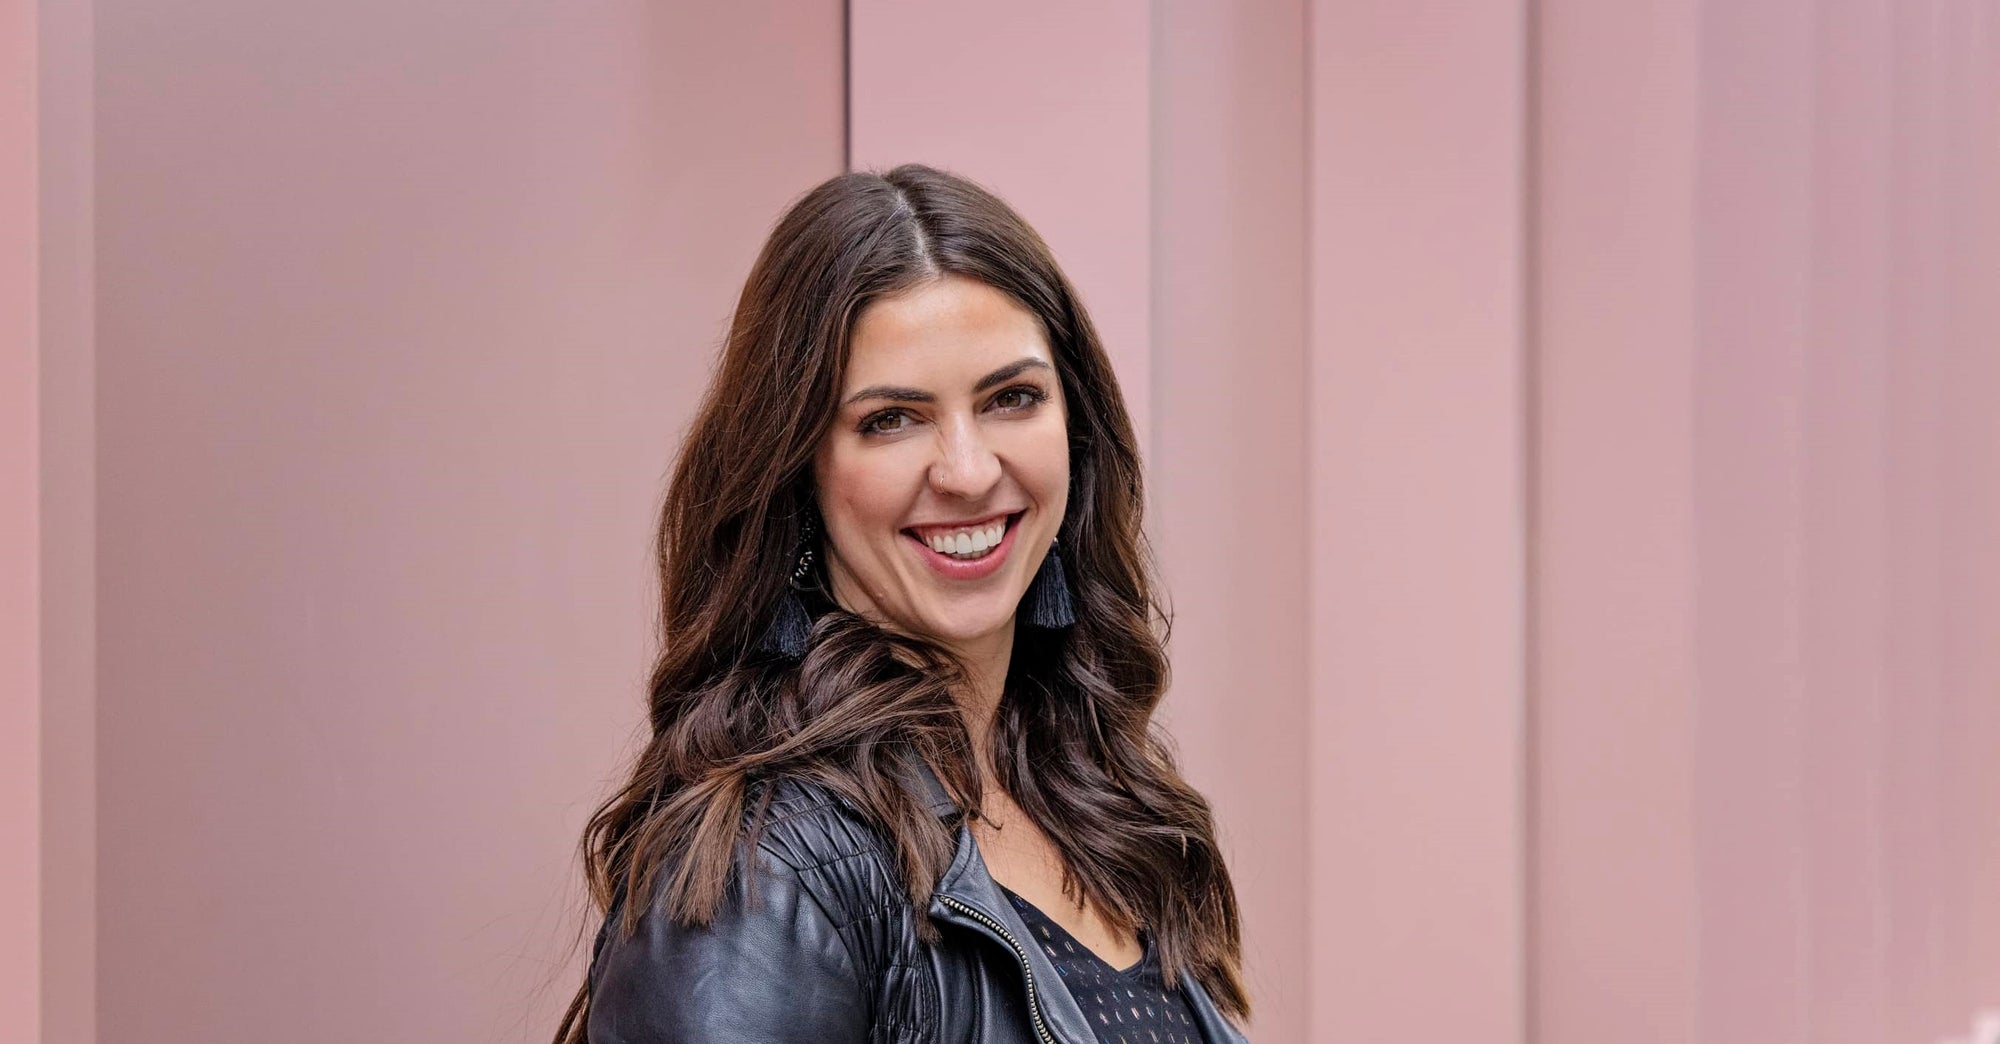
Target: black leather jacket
[(828, 953)]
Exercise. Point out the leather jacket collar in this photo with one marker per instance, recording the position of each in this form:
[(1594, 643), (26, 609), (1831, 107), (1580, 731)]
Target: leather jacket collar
[(968, 896)]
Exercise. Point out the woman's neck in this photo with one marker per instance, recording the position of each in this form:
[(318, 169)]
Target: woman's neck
[(986, 664)]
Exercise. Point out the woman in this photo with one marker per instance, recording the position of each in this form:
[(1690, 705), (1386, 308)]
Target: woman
[(902, 783)]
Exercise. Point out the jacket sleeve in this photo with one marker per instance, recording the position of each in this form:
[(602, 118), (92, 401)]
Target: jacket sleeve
[(775, 970)]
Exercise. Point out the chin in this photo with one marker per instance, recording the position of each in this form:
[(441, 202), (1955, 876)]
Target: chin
[(966, 624)]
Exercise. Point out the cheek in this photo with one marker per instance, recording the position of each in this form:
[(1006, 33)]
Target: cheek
[(1049, 457), (861, 492)]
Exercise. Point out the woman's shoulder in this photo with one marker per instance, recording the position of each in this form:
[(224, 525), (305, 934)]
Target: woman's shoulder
[(816, 834), (812, 926), (785, 955), (801, 843)]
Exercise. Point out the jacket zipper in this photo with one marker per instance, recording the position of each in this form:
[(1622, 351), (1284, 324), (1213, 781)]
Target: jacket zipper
[(1034, 998)]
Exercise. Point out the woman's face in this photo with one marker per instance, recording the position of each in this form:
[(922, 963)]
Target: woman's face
[(946, 473)]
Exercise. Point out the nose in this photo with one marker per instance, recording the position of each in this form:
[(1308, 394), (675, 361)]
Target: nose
[(966, 466)]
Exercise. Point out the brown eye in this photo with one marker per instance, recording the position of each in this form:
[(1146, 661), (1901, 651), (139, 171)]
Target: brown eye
[(888, 422), (1019, 397)]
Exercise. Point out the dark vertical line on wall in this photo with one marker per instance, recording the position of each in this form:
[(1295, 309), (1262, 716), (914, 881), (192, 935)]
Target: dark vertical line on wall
[(846, 85), (1530, 490)]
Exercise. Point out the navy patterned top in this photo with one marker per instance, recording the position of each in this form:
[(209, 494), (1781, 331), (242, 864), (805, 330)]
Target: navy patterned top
[(1124, 1007)]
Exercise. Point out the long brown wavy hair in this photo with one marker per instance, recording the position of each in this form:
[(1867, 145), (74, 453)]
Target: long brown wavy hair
[(1074, 742)]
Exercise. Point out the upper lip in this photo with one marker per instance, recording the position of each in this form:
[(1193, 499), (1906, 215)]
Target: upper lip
[(971, 523)]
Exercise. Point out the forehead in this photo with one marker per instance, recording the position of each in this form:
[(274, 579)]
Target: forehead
[(947, 327)]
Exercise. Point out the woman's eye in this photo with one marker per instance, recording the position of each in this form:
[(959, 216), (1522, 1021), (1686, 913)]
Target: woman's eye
[(1019, 397), (887, 422)]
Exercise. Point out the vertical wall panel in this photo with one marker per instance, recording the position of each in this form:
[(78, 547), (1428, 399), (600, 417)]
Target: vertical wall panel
[(1415, 528), (1952, 209), (1912, 841), (402, 310), (1967, 378), (1753, 209), (20, 532), (1978, 268), (1614, 904), (1845, 549), (1229, 476), (69, 528)]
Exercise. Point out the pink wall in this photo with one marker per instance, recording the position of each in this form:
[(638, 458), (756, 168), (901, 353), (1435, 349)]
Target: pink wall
[(1229, 452), (1416, 524), (69, 527), (1615, 924), (20, 532), (401, 308), (1765, 802), (1569, 429)]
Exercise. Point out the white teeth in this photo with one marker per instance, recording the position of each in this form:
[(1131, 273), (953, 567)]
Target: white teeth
[(968, 542)]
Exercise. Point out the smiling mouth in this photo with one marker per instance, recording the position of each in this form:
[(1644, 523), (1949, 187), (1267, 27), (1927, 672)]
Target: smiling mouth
[(967, 543)]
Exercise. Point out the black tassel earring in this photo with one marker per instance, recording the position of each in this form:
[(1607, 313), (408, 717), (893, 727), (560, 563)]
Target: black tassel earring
[(789, 627), (1048, 599)]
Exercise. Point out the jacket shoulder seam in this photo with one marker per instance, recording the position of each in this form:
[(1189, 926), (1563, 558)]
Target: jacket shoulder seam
[(812, 895)]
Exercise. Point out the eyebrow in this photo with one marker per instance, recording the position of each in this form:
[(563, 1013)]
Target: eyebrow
[(897, 394)]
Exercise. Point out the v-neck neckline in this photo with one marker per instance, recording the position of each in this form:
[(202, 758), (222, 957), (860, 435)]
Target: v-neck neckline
[(1137, 967)]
